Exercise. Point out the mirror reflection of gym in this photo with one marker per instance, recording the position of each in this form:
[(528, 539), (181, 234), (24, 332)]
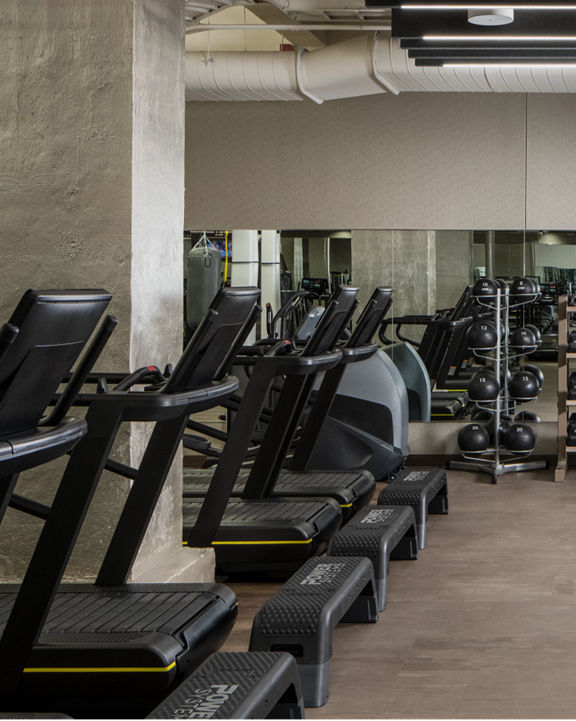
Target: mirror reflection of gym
[(429, 270)]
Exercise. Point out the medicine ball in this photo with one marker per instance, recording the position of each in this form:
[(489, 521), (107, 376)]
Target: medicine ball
[(536, 331), (482, 336), (520, 438), (482, 414), (537, 372), (523, 289), (523, 340), (485, 289), (504, 427), (524, 416), (483, 387), (523, 386), (473, 438), (504, 373)]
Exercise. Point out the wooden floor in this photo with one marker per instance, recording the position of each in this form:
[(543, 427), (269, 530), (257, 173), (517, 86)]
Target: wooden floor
[(482, 625)]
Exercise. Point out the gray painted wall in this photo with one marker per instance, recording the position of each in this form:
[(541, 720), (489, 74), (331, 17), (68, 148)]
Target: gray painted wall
[(416, 161)]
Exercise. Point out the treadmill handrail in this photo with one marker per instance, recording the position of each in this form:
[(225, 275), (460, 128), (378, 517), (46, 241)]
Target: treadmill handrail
[(145, 405)]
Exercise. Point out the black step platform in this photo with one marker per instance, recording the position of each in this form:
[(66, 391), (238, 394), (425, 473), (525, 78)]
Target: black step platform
[(302, 615), (238, 686), (352, 489), (380, 533), (275, 536), (425, 491)]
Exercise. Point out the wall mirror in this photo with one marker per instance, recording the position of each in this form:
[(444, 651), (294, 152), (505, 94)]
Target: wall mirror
[(429, 270)]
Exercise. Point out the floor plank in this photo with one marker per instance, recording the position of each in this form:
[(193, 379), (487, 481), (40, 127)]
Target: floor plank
[(483, 625)]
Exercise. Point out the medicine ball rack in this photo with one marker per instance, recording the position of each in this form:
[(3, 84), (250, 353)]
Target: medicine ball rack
[(498, 460)]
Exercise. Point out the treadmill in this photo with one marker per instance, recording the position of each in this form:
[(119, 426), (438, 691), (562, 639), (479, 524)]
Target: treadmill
[(107, 649), (352, 490), (258, 533)]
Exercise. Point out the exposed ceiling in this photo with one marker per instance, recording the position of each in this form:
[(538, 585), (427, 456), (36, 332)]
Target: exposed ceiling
[(318, 22), (362, 47)]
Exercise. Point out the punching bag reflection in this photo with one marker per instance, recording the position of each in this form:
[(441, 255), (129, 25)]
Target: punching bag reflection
[(203, 280)]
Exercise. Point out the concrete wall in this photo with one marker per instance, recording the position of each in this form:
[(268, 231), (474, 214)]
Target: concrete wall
[(66, 194), (157, 270), (404, 260), (91, 187), (453, 265)]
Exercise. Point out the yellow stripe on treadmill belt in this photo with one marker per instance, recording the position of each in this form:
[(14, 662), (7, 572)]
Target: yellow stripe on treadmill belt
[(254, 543), (102, 669)]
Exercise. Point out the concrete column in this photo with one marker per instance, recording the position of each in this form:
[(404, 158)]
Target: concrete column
[(490, 242), (453, 265), (405, 260), (270, 273), (318, 257), (244, 257), (298, 263), (245, 262), (92, 117)]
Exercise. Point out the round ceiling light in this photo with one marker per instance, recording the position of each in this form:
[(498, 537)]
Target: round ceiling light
[(491, 16)]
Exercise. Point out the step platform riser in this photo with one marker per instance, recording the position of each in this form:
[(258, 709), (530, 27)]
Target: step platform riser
[(425, 491), (238, 686), (300, 618), (380, 533)]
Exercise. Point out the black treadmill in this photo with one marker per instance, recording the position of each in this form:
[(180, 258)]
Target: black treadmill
[(352, 490), (109, 649), (259, 533)]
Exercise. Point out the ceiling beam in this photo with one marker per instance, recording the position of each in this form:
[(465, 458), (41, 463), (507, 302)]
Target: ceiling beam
[(273, 15)]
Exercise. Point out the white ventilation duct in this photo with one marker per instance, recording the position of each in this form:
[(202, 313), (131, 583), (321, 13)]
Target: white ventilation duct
[(364, 65)]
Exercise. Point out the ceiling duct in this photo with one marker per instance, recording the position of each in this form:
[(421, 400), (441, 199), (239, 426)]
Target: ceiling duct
[(366, 65)]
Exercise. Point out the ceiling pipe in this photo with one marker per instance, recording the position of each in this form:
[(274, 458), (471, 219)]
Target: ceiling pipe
[(365, 65), (292, 28)]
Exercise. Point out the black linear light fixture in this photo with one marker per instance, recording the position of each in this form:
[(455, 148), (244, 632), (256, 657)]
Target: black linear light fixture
[(456, 33), (553, 5)]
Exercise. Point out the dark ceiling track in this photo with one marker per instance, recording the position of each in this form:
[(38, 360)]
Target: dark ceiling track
[(545, 5), (444, 32), (414, 24)]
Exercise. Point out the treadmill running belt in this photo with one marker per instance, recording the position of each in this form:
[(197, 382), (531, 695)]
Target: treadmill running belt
[(136, 639), (351, 489), (274, 535)]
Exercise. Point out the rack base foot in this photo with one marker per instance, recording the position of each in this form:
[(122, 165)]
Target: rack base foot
[(500, 470)]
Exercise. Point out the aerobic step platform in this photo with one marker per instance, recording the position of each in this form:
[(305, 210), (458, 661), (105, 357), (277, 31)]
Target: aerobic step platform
[(238, 686), (425, 491), (380, 533), (300, 618)]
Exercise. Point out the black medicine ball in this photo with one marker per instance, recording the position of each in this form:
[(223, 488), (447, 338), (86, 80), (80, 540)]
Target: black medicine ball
[(520, 438), (482, 336), (473, 438), (523, 340), (537, 371), (523, 386), (485, 288), (483, 387)]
